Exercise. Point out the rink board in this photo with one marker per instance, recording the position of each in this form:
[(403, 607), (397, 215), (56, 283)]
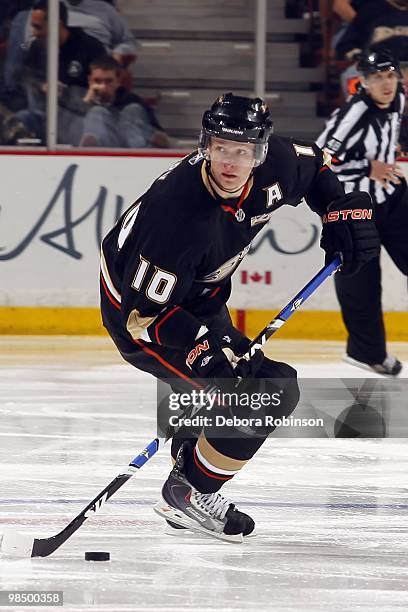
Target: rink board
[(310, 324), (56, 208)]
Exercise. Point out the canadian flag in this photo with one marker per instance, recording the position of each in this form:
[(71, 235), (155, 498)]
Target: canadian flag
[(247, 277)]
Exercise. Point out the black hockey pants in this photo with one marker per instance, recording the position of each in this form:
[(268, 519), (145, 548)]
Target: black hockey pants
[(170, 365), (360, 295)]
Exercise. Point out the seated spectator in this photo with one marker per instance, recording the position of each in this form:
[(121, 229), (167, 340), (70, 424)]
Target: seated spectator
[(77, 51), (100, 20), (115, 117)]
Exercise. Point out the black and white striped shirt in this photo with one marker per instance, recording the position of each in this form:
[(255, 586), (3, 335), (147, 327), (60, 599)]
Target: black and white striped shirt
[(359, 132)]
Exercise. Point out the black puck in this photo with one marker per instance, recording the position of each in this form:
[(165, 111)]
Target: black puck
[(97, 556)]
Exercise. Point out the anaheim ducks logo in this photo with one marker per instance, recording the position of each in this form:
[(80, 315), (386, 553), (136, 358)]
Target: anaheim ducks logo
[(226, 269)]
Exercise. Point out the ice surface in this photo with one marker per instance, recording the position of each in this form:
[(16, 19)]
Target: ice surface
[(331, 514)]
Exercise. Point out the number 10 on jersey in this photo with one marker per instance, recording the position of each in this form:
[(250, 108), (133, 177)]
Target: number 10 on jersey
[(161, 284)]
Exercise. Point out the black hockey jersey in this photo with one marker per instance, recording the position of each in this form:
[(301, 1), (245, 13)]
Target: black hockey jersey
[(167, 263)]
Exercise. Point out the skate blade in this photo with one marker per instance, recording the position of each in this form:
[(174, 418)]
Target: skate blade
[(366, 366), (188, 533), (358, 364), (178, 533), (171, 514)]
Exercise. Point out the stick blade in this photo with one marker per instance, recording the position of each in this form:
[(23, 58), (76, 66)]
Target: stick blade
[(14, 544)]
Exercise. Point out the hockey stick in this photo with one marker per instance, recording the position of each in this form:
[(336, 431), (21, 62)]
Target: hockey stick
[(23, 545)]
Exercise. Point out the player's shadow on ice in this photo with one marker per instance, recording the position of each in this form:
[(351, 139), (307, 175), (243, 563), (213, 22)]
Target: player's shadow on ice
[(360, 421)]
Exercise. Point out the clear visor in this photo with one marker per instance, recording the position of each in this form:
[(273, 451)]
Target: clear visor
[(232, 152)]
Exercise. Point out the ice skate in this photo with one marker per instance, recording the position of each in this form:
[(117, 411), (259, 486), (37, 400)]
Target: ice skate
[(173, 529), (391, 366), (207, 513)]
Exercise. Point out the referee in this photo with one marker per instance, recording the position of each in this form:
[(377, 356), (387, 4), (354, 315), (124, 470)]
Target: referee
[(362, 138)]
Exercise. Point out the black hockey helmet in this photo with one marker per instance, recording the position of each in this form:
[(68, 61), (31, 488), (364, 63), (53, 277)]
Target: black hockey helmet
[(240, 119), (371, 62)]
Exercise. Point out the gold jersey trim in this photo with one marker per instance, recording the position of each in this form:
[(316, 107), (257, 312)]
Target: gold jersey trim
[(137, 325)]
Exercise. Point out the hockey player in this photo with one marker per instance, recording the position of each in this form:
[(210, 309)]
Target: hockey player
[(166, 270), (362, 137)]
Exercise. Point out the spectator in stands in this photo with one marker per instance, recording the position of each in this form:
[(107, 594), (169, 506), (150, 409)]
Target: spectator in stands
[(115, 117), (97, 18), (100, 20), (77, 51)]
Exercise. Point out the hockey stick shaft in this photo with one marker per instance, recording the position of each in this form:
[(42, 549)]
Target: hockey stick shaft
[(45, 546), (295, 303), (42, 547)]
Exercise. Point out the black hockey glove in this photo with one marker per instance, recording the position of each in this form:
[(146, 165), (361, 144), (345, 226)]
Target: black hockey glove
[(206, 358), (349, 229), (212, 357), (247, 368)]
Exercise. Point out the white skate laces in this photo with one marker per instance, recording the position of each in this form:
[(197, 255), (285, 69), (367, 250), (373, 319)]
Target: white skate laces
[(182, 505), (213, 503)]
